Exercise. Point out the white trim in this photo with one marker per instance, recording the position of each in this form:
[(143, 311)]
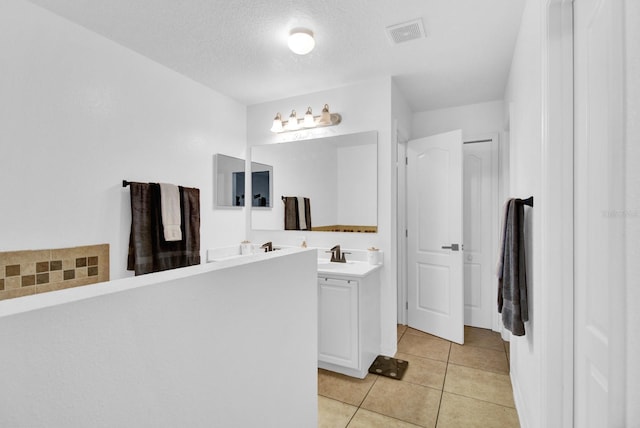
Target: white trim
[(401, 193), (555, 207), (518, 400), (503, 194)]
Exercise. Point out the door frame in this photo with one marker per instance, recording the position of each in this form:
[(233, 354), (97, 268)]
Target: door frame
[(401, 208), (556, 210), (401, 193)]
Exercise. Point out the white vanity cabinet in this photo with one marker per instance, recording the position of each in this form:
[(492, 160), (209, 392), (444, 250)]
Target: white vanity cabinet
[(348, 321)]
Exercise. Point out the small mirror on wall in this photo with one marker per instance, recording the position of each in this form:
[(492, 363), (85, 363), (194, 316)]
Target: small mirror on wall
[(229, 183)]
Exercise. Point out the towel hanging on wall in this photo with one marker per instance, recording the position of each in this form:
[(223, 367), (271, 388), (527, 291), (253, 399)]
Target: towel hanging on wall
[(297, 213), (170, 209), (149, 251), (511, 269)]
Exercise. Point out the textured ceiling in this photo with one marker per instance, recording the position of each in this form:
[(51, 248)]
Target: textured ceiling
[(239, 47)]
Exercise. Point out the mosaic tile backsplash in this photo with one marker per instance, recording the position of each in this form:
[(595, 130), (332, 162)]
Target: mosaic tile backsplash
[(37, 271)]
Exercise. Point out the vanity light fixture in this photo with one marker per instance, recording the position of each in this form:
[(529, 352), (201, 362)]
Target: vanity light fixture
[(301, 41), (309, 121)]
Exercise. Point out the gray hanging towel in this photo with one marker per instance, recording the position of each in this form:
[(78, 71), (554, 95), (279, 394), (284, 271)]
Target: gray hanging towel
[(512, 275), (148, 249)]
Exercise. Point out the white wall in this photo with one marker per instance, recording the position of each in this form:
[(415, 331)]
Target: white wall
[(364, 107), (357, 196), (523, 102), (539, 159), (78, 114), (159, 351), (632, 226), (473, 119)]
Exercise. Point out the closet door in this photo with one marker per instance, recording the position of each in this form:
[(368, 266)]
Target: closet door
[(434, 242)]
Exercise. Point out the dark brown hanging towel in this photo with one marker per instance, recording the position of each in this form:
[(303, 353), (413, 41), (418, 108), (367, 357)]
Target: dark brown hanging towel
[(292, 213), (148, 250)]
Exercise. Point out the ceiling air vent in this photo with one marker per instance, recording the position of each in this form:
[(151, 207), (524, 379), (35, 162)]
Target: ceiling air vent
[(406, 31)]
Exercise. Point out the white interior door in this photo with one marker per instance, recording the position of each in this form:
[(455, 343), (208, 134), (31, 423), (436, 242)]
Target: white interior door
[(434, 242), (599, 232), (480, 183)]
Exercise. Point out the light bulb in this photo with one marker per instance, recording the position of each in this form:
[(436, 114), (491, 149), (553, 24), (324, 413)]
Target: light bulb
[(325, 117), (277, 124), (292, 124), (309, 122)]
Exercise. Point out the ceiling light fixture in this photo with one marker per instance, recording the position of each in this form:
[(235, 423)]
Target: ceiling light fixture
[(301, 41), (309, 121)]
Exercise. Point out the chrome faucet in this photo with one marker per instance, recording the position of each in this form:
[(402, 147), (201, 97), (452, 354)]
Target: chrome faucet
[(337, 256), (268, 246)]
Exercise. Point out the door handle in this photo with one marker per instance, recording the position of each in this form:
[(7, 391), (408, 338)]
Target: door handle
[(452, 247)]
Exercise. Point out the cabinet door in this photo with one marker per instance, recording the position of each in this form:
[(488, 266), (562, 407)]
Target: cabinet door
[(338, 322)]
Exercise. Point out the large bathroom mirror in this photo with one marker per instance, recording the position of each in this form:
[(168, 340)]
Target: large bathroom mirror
[(325, 184), (229, 183)]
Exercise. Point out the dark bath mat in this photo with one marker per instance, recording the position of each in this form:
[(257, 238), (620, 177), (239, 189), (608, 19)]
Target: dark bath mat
[(389, 367)]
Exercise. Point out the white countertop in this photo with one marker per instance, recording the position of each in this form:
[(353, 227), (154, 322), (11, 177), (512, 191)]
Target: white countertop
[(350, 269), (37, 301)]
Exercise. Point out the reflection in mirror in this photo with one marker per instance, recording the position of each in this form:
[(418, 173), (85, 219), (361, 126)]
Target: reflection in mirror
[(229, 192), (229, 177), (261, 184), (325, 184)]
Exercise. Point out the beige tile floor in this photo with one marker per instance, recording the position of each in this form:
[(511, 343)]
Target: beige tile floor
[(446, 385)]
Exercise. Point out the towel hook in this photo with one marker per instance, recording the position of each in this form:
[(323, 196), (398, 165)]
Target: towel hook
[(528, 201)]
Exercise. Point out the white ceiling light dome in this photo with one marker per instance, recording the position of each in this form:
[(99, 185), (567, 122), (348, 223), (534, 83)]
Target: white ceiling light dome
[(301, 41)]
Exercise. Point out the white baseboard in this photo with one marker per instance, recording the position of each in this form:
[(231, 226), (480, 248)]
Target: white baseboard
[(521, 408)]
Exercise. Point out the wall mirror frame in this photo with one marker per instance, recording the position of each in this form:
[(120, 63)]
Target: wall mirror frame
[(229, 183), (327, 184)]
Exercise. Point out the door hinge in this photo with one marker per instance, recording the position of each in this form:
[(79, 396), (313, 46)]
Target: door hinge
[(406, 233), (406, 160), (406, 305)]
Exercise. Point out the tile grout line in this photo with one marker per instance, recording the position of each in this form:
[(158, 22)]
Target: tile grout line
[(363, 398), (369, 390), (444, 380), (481, 369), (386, 416), (481, 400)]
